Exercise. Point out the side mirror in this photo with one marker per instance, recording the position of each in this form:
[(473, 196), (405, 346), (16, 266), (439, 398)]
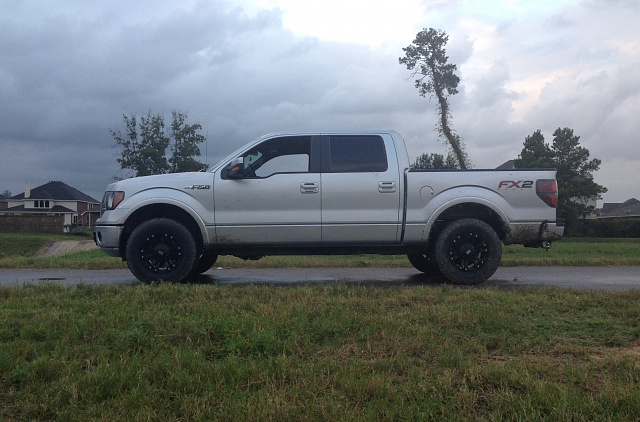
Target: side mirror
[(235, 169)]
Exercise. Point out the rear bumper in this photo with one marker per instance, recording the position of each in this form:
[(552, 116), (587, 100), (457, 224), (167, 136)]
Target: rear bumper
[(108, 238), (533, 234)]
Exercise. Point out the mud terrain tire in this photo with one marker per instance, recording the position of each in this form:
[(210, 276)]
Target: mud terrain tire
[(161, 249), (468, 251)]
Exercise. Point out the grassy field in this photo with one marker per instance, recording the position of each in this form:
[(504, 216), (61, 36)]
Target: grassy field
[(19, 251), (332, 352), (326, 352)]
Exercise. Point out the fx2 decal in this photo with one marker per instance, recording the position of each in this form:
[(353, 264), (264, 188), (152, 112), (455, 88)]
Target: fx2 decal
[(198, 187), (513, 184)]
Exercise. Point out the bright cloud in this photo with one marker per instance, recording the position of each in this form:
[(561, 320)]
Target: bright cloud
[(352, 21)]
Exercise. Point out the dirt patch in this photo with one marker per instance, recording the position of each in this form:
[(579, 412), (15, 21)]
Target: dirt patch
[(66, 247)]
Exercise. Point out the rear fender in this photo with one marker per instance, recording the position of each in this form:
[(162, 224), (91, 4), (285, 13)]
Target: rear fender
[(466, 200)]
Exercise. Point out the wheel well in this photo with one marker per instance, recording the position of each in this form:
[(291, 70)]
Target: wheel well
[(468, 210), (160, 211)]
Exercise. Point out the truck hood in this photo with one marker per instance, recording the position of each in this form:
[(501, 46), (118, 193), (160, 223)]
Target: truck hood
[(180, 181)]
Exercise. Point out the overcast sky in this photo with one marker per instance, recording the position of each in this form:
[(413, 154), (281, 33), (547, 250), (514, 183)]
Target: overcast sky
[(70, 69)]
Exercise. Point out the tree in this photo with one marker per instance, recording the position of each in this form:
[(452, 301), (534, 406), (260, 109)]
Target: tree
[(143, 152), (576, 186), (434, 161), (145, 141), (6, 194), (185, 145), (427, 59), (536, 153)]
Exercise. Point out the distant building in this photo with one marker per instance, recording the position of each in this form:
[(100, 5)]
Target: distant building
[(627, 209), (55, 198), (507, 165)]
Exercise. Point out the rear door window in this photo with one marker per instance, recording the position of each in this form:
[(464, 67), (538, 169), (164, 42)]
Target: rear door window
[(357, 153)]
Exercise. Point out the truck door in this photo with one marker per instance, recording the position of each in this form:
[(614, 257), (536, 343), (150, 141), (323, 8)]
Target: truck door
[(274, 195), (360, 190)]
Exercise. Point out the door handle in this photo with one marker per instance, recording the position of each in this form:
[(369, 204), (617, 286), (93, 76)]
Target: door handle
[(387, 187), (308, 188)]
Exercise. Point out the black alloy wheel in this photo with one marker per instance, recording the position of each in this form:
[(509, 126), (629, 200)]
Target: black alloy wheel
[(161, 249), (468, 251)]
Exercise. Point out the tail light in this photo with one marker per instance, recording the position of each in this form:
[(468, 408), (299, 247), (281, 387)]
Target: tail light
[(547, 190)]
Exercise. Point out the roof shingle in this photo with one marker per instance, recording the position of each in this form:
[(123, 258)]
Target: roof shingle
[(629, 208), (56, 190)]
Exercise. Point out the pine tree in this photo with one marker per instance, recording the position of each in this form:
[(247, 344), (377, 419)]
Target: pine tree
[(428, 60), (576, 186)]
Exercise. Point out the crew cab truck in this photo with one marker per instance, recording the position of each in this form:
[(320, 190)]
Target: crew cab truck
[(326, 193)]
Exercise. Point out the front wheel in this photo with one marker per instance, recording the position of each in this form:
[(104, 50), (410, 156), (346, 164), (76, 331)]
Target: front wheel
[(468, 251), (161, 249)]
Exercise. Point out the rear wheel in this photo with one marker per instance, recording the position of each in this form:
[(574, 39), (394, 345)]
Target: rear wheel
[(468, 251), (161, 249)]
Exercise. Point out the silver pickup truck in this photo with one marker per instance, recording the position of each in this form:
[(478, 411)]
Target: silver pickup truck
[(326, 193)]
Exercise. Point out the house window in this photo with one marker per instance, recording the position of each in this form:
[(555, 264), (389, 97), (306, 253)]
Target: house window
[(75, 219), (41, 204)]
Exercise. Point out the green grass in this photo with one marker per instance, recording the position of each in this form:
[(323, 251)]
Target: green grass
[(332, 352), (25, 244), (18, 251), (577, 252)]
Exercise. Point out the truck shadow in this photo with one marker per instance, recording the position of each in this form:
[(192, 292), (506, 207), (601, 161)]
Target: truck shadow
[(413, 281)]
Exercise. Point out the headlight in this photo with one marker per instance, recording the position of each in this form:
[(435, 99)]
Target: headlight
[(111, 200)]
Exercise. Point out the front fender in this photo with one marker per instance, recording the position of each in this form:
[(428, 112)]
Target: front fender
[(164, 196)]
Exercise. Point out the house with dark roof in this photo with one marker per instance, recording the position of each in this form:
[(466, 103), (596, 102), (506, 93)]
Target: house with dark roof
[(55, 198), (627, 209)]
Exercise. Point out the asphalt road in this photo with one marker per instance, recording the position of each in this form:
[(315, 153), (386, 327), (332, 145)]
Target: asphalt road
[(590, 278)]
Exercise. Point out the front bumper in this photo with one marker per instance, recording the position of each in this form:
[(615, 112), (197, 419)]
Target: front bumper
[(108, 238)]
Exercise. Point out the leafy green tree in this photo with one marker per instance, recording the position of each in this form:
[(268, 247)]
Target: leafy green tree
[(426, 57), (576, 186), (434, 161), (575, 175), (536, 153), (185, 145), (145, 141)]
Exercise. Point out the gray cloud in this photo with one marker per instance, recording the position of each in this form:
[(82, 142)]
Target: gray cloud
[(69, 71)]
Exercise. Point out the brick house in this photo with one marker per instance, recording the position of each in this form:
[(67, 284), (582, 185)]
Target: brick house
[(55, 198)]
